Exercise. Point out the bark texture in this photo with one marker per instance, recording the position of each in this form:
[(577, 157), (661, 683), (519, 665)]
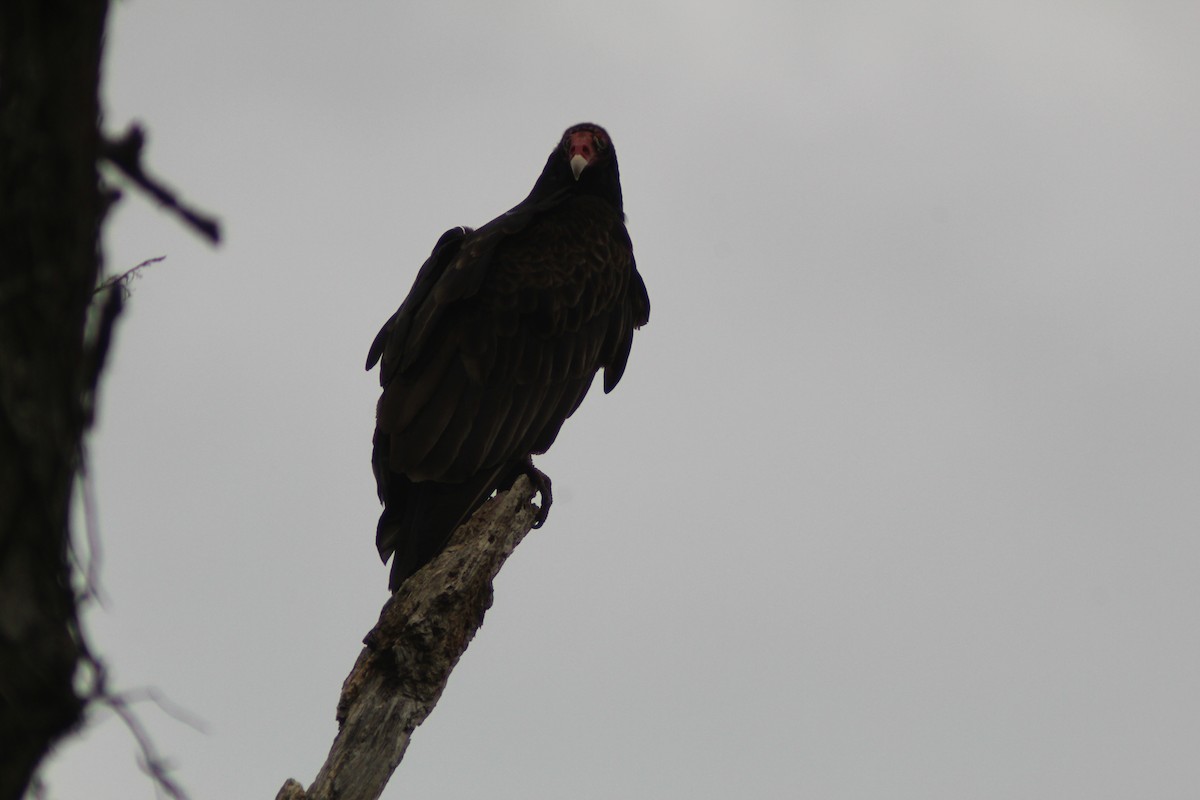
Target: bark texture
[(51, 207), (422, 631)]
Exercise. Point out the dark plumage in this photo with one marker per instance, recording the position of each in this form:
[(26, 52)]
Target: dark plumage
[(497, 344)]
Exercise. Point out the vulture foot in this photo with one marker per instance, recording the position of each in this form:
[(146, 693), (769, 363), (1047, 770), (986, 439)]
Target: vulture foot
[(541, 482)]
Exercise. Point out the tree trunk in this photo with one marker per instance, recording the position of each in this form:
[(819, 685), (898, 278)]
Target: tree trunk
[(51, 207)]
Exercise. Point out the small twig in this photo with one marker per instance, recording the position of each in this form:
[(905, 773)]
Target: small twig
[(149, 760), (153, 764), (91, 525), (165, 705), (126, 277), (126, 155), (97, 350)]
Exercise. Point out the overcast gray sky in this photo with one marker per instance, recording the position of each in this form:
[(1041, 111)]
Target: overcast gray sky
[(898, 496)]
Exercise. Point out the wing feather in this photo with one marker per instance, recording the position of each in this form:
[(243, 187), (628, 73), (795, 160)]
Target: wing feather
[(445, 457), (477, 451), (391, 341), (412, 443)]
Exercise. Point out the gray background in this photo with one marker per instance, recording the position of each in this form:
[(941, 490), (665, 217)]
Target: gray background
[(897, 499)]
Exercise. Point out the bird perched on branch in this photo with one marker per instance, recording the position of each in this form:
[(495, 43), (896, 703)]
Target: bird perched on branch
[(496, 345)]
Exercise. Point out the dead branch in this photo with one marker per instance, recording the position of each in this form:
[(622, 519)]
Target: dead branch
[(126, 155), (422, 631)]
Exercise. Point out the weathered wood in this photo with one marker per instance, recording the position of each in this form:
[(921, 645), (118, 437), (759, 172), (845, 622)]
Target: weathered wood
[(422, 631)]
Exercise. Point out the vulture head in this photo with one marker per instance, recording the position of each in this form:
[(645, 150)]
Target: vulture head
[(583, 163)]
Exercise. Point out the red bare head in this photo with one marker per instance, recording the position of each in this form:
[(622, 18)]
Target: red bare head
[(583, 144)]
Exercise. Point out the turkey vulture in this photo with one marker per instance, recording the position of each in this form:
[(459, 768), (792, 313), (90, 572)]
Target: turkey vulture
[(496, 345)]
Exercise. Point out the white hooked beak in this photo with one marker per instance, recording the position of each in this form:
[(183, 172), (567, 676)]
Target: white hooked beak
[(578, 162)]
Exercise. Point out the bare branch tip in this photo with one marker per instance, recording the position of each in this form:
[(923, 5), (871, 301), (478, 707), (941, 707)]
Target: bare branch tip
[(291, 790), (125, 153)]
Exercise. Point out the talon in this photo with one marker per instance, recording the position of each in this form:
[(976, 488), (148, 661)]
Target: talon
[(541, 482)]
